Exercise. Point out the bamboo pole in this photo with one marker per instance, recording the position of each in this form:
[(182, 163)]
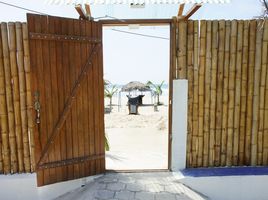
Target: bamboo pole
[(237, 91), (195, 95), (16, 94), (9, 99), (201, 81), (219, 92), (22, 89), (265, 125), (225, 92), (27, 70), (231, 93), (251, 64), (174, 47), (190, 71), (182, 42), (256, 95), (244, 80), (213, 97), (207, 93), (5, 151), (262, 94)]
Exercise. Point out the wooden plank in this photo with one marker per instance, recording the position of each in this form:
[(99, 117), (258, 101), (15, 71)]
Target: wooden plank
[(182, 51), (190, 12), (231, 93), (225, 92), (219, 94), (195, 95), (190, 77), (263, 77), (80, 10), (5, 153), (256, 94), (265, 125), (201, 84), (181, 8), (242, 128), (22, 90), (207, 93), (250, 87), (10, 143), (237, 92), (213, 96)]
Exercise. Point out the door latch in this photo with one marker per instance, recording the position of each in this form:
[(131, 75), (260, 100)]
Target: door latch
[(37, 106)]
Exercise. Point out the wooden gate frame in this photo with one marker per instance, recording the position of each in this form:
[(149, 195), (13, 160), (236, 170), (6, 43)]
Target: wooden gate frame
[(155, 22)]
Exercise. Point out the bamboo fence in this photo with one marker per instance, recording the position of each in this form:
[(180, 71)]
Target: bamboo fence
[(16, 142), (225, 63)]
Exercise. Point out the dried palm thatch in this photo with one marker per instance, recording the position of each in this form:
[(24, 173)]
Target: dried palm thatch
[(135, 85)]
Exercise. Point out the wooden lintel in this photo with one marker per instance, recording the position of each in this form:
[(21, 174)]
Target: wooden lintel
[(192, 10), (181, 8), (80, 10)]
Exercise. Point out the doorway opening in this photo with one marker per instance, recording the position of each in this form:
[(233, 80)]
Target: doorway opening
[(136, 72)]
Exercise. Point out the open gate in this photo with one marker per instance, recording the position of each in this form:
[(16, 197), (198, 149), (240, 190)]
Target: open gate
[(68, 93)]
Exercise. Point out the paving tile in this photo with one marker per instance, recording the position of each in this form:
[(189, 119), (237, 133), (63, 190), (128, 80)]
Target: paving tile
[(144, 196), (165, 196), (154, 187), (124, 195), (135, 187), (104, 194), (116, 186), (182, 197), (175, 188)]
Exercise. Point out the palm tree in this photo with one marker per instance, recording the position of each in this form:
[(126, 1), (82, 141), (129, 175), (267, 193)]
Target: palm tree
[(157, 89), (109, 93)]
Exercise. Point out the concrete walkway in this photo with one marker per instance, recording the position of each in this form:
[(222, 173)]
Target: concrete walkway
[(134, 186)]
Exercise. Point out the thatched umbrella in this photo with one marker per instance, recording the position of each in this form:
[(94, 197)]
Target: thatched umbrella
[(135, 85)]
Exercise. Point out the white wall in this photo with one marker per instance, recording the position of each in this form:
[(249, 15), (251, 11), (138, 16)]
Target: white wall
[(23, 186), (179, 124)]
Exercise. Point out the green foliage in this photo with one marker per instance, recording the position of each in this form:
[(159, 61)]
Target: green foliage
[(156, 88), (109, 92), (107, 145)]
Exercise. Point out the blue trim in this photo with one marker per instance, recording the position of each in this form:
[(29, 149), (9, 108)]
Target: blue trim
[(226, 171)]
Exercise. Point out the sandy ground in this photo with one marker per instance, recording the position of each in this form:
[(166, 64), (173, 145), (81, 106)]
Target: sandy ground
[(137, 141)]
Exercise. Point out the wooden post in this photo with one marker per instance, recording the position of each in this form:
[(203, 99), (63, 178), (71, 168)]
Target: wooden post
[(201, 84), (256, 94), (225, 93), (182, 42), (5, 151), (22, 91), (207, 93), (9, 99), (28, 93), (244, 80), (181, 8)]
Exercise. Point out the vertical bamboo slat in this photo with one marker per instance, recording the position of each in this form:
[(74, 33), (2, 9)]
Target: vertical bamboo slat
[(201, 84), (262, 94), (9, 99), (182, 50), (22, 89), (250, 87), (195, 96), (225, 93), (237, 91), (221, 41), (190, 76), (5, 153), (207, 93), (28, 93), (244, 78)]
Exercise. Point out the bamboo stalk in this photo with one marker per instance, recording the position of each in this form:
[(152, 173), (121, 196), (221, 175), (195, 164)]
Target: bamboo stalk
[(237, 91), (219, 92), (22, 89), (251, 64), (27, 70), (195, 96), (256, 95), (190, 71), (174, 47), (231, 93), (262, 94), (201, 83), (244, 80), (207, 93), (16, 94), (225, 93), (265, 125), (9, 99), (5, 151), (182, 42), (213, 97)]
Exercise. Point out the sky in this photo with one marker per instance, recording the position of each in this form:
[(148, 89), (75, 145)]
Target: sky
[(130, 57)]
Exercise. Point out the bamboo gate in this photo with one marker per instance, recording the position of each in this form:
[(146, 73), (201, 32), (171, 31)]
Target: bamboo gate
[(225, 63)]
